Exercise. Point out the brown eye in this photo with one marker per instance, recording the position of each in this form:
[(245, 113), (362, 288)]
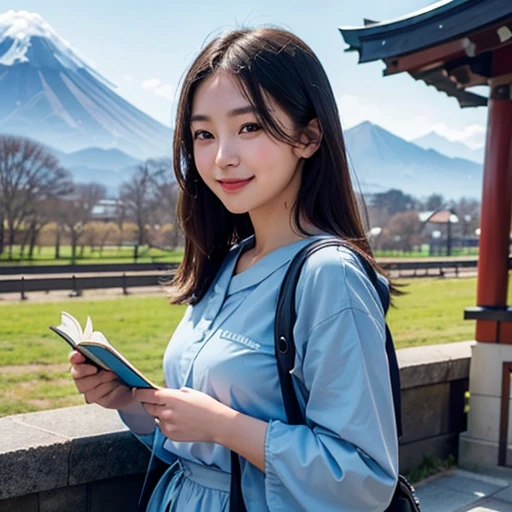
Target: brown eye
[(202, 135), (250, 128)]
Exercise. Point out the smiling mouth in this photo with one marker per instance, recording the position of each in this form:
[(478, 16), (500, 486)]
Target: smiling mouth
[(234, 185)]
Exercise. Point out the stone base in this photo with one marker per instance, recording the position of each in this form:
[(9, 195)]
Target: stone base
[(441, 446), (481, 457)]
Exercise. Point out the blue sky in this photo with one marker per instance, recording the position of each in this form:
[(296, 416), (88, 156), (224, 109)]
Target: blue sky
[(143, 48)]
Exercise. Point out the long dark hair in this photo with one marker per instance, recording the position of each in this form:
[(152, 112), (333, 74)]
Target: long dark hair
[(265, 61)]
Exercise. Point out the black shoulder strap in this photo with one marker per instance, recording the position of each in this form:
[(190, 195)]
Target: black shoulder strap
[(285, 321), (285, 351)]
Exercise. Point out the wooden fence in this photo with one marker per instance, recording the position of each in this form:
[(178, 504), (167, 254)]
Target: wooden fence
[(77, 278)]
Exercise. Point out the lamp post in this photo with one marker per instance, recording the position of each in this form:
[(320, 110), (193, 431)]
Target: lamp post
[(465, 232), (442, 216)]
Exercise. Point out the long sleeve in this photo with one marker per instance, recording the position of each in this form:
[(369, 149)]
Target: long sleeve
[(345, 458), (143, 428)]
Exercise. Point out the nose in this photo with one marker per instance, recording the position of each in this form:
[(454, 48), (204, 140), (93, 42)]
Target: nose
[(227, 154)]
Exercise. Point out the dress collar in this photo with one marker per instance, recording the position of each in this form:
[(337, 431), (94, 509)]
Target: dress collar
[(262, 268)]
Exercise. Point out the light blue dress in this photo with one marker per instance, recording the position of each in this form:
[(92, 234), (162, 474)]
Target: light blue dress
[(345, 458)]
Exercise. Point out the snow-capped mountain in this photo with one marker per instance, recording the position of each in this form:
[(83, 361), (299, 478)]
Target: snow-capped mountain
[(449, 148), (381, 160), (50, 94)]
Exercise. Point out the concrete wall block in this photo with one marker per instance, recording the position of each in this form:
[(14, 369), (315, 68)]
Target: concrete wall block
[(75, 422), (432, 364), (72, 498), (30, 459), (29, 503), (412, 454), (106, 456), (425, 412), (116, 495), (487, 368), (28, 471)]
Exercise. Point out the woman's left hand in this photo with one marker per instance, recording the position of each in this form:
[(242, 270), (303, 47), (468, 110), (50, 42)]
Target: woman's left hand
[(184, 414)]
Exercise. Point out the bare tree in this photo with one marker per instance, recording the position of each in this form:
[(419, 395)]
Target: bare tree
[(77, 210), (59, 227), (97, 234), (2, 227), (138, 196), (149, 200), (166, 189), (404, 231), (468, 211), (38, 216), (121, 216), (434, 202), (166, 197), (28, 174), (393, 201)]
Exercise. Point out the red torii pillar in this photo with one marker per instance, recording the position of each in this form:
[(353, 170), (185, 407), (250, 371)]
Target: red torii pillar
[(496, 207), (485, 445)]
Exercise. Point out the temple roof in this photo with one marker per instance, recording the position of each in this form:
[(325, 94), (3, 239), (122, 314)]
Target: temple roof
[(448, 44)]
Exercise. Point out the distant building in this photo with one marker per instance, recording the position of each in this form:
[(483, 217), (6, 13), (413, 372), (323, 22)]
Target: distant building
[(107, 210)]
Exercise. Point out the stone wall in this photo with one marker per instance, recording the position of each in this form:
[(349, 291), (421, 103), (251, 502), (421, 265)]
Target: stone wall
[(82, 459), (434, 380)]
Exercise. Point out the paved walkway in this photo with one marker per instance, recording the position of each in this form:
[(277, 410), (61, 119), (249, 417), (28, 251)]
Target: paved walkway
[(462, 491)]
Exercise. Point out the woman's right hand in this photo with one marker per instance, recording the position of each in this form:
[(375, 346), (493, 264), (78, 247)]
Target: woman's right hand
[(101, 387)]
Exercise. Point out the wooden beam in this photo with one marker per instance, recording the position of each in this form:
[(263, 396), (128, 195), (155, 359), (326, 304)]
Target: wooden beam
[(502, 63), (485, 40), (426, 59)]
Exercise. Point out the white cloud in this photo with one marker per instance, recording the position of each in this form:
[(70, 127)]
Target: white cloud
[(156, 86), (472, 135), (151, 85), (354, 111), (167, 91), (128, 78)]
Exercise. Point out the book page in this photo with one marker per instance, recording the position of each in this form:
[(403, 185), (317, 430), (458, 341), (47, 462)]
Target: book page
[(70, 325), (98, 337), (87, 329)]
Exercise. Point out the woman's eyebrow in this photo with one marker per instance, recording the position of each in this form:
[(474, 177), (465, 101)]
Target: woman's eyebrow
[(249, 109)]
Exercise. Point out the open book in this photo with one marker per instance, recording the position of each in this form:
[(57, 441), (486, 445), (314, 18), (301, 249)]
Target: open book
[(98, 351)]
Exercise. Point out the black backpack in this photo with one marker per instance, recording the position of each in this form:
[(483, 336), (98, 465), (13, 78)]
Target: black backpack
[(404, 499)]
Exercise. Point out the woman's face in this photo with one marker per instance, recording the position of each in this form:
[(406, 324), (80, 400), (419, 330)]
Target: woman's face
[(243, 166)]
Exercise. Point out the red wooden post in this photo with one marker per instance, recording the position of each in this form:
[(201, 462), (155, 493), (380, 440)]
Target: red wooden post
[(496, 200)]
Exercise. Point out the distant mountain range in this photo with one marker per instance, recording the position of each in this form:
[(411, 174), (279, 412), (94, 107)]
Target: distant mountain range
[(450, 148), (109, 167), (381, 160), (97, 158), (50, 94)]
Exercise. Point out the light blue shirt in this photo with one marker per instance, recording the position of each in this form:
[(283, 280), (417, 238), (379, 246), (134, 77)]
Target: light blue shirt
[(345, 458)]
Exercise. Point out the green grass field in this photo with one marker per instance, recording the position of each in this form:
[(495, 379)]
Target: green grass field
[(110, 254), (114, 254), (424, 253), (33, 360)]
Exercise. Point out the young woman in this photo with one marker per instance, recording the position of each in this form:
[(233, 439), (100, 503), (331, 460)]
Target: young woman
[(260, 159)]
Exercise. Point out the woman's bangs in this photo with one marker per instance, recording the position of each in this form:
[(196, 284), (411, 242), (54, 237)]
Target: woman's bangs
[(255, 85)]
